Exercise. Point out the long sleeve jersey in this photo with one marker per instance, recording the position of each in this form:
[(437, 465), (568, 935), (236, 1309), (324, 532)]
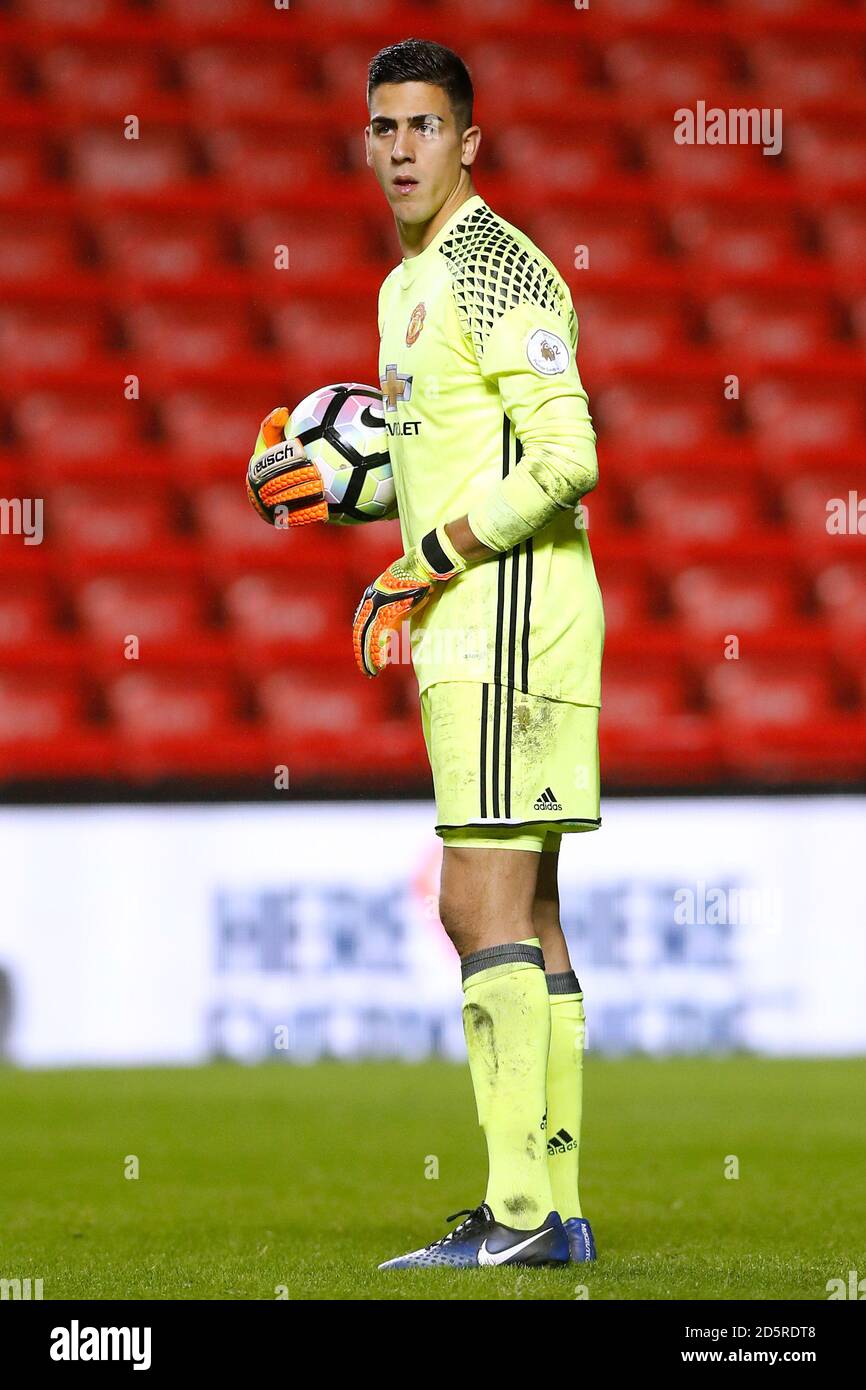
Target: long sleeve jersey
[(486, 415)]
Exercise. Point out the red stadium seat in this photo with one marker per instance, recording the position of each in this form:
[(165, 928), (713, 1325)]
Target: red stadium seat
[(667, 68), (103, 161), (768, 691), (113, 77), (843, 233), (343, 67), (50, 338), (681, 750), (313, 703), (322, 718), (787, 418), (615, 242), (35, 249), (36, 707), (10, 76), (708, 168), (840, 590), (839, 594), (227, 522), (514, 82), (822, 506), (812, 68), (23, 162), (369, 549), (240, 81), (501, 10), (744, 240), (688, 507), (27, 614), (829, 153), (270, 609), (208, 422), (315, 248), (336, 339), (59, 424), (616, 329), (203, 336), (585, 158), (647, 732), (781, 325), (101, 517), (600, 512), (770, 9), (160, 246), (626, 593), (151, 607), (782, 723), (196, 13), (640, 692), (71, 13), (253, 160), (732, 599), (147, 704), (676, 419), (858, 319)]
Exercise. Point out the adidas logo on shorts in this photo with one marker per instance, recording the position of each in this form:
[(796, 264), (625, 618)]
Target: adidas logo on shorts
[(547, 801)]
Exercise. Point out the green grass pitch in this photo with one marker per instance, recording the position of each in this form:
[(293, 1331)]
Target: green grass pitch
[(252, 1178)]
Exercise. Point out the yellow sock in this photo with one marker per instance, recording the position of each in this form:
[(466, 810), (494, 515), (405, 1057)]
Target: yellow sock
[(506, 1020), (565, 1090)]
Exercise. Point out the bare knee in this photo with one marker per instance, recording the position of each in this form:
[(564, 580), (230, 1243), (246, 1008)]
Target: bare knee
[(486, 896), (456, 917)]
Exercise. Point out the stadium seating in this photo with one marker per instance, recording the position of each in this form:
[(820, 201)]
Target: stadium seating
[(146, 327)]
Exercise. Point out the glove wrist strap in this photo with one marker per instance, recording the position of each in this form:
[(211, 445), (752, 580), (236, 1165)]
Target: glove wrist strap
[(440, 555)]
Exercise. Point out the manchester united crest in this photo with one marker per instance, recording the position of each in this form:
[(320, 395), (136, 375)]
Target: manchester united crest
[(416, 323)]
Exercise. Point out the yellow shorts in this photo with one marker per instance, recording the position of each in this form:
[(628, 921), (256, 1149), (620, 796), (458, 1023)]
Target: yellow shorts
[(510, 770)]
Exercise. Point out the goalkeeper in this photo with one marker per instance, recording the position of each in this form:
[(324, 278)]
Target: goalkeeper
[(492, 448)]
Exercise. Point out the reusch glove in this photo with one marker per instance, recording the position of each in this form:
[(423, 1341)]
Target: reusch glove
[(403, 588), (283, 486)]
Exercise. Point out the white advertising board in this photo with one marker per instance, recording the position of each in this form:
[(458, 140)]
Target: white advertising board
[(175, 934)]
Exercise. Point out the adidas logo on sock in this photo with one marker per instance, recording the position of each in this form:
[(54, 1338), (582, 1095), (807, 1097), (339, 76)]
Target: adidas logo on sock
[(560, 1143), (547, 801)]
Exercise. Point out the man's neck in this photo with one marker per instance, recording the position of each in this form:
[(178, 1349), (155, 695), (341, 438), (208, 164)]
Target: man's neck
[(416, 237)]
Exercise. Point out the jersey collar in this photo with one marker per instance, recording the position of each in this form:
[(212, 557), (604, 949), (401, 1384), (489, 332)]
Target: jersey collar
[(411, 266)]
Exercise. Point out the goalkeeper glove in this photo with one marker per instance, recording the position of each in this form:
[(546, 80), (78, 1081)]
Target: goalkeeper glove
[(283, 486), (405, 586)]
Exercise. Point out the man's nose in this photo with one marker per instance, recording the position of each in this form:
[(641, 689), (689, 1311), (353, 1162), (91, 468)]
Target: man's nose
[(402, 147)]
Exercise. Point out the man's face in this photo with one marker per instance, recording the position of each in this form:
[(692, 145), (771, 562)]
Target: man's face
[(414, 147)]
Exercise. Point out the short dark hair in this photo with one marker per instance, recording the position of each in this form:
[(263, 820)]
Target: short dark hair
[(422, 60)]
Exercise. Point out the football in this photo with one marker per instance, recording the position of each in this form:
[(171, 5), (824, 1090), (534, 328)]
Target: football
[(342, 429)]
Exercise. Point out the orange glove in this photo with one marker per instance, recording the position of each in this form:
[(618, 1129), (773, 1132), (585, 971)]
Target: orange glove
[(283, 486), (403, 588)]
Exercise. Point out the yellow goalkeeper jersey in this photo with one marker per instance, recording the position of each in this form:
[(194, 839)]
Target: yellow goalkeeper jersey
[(478, 338)]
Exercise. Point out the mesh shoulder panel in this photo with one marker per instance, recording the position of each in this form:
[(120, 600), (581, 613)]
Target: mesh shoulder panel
[(491, 271)]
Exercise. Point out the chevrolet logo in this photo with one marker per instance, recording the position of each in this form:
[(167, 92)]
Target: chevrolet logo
[(396, 386)]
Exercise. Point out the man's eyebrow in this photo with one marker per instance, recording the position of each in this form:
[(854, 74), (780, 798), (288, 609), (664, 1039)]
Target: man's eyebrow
[(421, 116)]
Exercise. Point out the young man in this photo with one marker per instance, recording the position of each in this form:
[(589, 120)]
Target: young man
[(492, 447)]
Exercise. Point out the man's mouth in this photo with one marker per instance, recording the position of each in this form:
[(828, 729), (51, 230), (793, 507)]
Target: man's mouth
[(404, 183)]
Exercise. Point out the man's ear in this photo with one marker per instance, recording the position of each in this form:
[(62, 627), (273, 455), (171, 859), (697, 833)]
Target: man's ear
[(367, 153), (470, 139)]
